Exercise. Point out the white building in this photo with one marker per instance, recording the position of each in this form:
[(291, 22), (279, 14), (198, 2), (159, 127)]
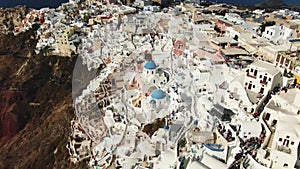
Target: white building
[(284, 149), (202, 87), (204, 25), (154, 76), (249, 129), (279, 115), (262, 77), (234, 18), (232, 94), (284, 104), (278, 33)]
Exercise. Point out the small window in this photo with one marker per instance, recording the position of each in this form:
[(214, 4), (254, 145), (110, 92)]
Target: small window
[(287, 136), (253, 86), (292, 143), (255, 72), (280, 139), (270, 79), (268, 116), (260, 76)]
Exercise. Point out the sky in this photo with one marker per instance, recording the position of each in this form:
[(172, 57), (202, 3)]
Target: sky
[(55, 3)]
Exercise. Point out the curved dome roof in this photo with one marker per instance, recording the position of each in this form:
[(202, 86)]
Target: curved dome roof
[(152, 102), (158, 94), (150, 65), (196, 122)]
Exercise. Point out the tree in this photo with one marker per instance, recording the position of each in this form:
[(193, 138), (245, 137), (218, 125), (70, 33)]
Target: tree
[(46, 50), (263, 26), (86, 18), (182, 143), (284, 72), (76, 44)]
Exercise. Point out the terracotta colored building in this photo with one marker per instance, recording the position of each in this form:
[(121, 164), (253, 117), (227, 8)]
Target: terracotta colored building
[(179, 47)]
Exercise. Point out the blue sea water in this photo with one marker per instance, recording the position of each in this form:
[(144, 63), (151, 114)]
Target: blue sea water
[(32, 3), (55, 3)]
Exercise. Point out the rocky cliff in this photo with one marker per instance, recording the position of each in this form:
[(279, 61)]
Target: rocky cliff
[(271, 4), (36, 105)]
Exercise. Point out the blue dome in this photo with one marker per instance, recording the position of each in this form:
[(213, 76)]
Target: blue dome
[(152, 102), (158, 94), (150, 65), (196, 122), (166, 127)]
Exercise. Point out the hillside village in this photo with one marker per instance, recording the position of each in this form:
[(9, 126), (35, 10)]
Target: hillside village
[(186, 86)]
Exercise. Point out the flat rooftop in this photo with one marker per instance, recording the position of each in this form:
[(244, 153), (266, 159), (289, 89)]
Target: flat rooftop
[(223, 40), (266, 66), (234, 51)]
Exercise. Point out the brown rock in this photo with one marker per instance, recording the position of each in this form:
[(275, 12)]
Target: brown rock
[(29, 135)]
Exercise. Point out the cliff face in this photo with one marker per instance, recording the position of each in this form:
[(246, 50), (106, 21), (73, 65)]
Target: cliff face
[(271, 4), (10, 122), (35, 105), (14, 112)]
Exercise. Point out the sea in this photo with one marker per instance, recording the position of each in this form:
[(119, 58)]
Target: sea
[(37, 4)]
